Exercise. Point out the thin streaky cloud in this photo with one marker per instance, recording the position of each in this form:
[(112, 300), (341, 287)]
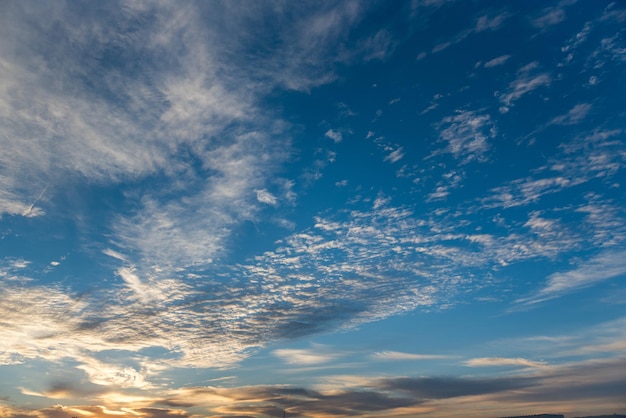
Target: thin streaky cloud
[(524, 85), (502, 59), (573, 116), (605, 266), (503, 361), (305, 356), (400, 356)]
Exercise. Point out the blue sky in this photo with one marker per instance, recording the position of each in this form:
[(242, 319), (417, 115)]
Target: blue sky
[(371, 209)]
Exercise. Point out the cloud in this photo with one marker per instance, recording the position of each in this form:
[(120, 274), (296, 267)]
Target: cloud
[(502, 59), (114, 254), (524, 191), (547, 388), (551, 16), (502, 361), (174, 107), (106, 374), (318, 355), (334, 135), (607, 265), (395, 155), (428, 388), (527, 81), (485, 23), (574, 116), (440, 47), (400, 356), (588, 156), (165, 110), (266, 197), (466, 134)]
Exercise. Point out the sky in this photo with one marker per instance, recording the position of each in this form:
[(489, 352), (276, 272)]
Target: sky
[(317, 209)]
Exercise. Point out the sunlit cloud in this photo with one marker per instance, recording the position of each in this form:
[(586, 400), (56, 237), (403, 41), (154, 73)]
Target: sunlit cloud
[(500, 361), (305, 357)]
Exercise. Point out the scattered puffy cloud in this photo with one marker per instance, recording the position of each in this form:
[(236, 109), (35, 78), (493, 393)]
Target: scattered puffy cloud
[(467, 135), (524, 191), (266, 197), (334, 135)]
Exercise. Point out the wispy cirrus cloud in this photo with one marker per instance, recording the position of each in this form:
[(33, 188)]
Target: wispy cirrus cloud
[(605, 266), (527, 80), (501, 60), (573, 116), (401, 356), (551, 16), (482, 23), (503, 361)]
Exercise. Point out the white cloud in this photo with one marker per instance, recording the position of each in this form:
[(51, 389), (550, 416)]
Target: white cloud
[(440, 47), (524, 191), (266, 197), (467, 134), (551, 16), (607, 265), (503, 361), (334, 135), (486, 23), (305, 356), (440, 192), (525, 83), (573, 116), (497, 61), (395, 155), (400, 356), (114, 254), (106, 374)]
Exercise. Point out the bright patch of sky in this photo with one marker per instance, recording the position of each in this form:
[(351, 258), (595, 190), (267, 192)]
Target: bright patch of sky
[(225, 208)]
